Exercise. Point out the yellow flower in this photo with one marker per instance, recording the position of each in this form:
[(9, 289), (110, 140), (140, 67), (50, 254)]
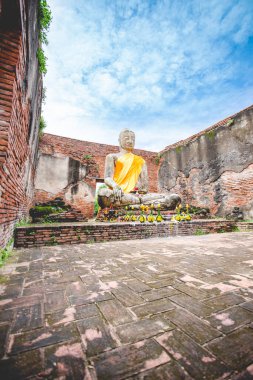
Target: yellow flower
[(142, 218), (126, 207), (178, 218), (133, 218), (159, 218), (142, 207), (151, 218)]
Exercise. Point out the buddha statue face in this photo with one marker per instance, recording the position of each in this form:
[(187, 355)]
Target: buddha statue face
[(127, 140)]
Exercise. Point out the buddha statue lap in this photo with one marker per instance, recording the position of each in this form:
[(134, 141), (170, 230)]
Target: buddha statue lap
[(126, 178)]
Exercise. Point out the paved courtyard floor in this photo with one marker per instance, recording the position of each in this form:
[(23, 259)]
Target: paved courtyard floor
[(167, 308)]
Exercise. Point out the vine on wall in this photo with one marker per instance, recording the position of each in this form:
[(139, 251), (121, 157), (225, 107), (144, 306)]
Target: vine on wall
[(45, 18)]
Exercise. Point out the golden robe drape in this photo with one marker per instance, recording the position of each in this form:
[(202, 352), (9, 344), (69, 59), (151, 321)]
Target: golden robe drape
[(127, 170)]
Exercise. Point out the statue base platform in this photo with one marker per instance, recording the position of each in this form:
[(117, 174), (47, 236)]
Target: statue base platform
[(119, 214)]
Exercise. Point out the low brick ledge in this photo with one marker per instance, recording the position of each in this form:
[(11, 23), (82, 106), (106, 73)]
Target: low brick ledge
[(75, 233)]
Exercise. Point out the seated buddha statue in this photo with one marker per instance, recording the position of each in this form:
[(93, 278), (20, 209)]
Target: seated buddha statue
[(126, 178)]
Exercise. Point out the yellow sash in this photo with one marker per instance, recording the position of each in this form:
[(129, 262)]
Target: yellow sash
[(127, 170)]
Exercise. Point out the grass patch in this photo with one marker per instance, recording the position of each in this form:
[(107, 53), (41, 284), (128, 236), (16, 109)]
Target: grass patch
[(221, 231), (235, 229), (6, 252), (23, 223), (46, 210), (199, 232)]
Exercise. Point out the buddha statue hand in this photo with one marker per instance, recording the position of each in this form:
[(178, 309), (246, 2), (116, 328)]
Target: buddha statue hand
[(118, 193)]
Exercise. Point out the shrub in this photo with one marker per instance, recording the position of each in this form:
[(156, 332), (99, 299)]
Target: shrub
[(42, 126)]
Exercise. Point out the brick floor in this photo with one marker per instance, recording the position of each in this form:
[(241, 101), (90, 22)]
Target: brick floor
[(165, 308)]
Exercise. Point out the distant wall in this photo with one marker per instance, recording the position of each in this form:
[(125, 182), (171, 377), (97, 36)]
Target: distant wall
[(213, 168), (20, 103), (68, 168)]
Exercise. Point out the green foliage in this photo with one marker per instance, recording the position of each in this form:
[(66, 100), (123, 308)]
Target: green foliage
[(199, 232), (179, 149), (42, 59), (229, 122), (210, 135), (22, 222), (47, 220), (46, 210), (96, 205), (5, 252), (235, 229), (158, 159), (42, 126), (87, 157), (196, 210), (45, 18), (53, 240), (30, 233)]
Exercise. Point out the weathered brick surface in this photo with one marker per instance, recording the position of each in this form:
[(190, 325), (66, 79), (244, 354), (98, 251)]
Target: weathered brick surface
[(96, 335), (207, 172), (75, 233), (196, 360), (20, 98), (235, 349), (93, 310)]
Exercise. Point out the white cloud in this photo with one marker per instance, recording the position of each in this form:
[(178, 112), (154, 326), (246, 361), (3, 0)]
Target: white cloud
[(165, 67)]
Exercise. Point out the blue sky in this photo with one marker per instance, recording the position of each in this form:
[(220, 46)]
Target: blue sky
[(164, 68)]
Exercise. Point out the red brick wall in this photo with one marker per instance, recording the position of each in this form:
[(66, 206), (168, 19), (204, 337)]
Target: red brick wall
[(76, 149), (17, 142)]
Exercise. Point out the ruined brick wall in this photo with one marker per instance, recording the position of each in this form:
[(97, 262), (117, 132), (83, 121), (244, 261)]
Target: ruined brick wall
[(69, 168), (213, 168), (74, 233), (20, 100)]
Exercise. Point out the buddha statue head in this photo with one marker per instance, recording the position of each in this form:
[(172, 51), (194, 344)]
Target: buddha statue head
[(127, 140)]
